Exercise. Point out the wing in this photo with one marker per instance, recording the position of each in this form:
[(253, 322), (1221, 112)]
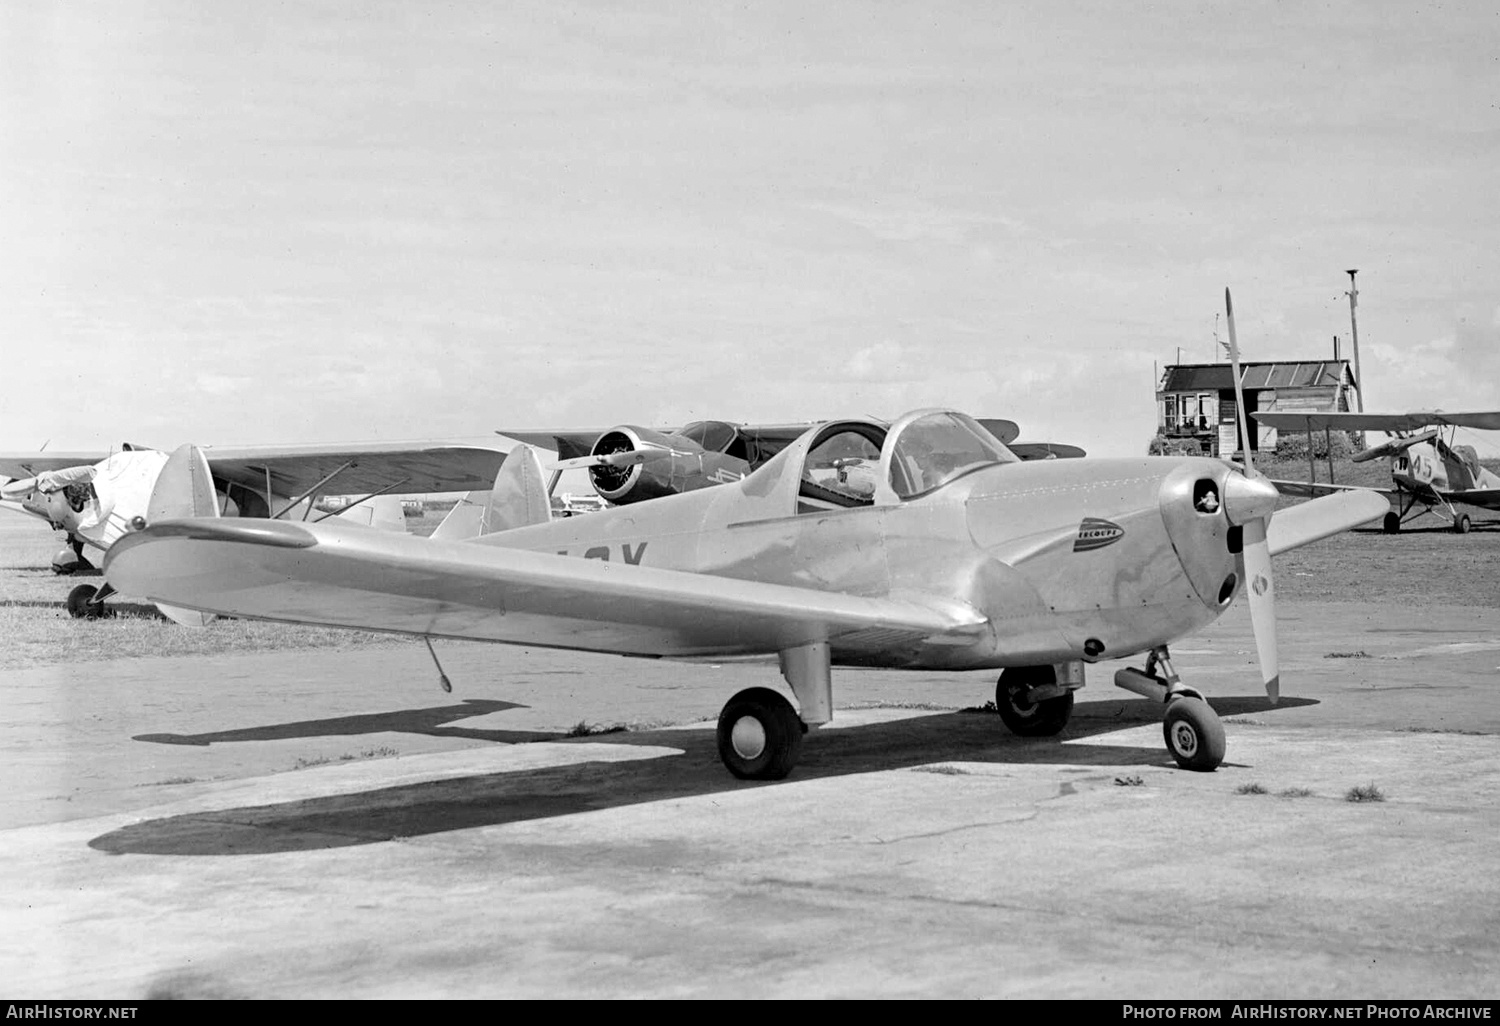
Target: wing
[(1484, 498), (30, 464), (347, 576), (399, 466), (569, 445), (1313, 489), (1486, 420)]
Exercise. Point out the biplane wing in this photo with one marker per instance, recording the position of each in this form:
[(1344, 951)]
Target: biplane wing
[(1415, 420)]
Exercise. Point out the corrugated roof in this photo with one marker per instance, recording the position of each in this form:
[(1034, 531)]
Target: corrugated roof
[(1209, 377)]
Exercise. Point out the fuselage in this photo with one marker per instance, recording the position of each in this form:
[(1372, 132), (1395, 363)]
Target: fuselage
[(1066, 559)]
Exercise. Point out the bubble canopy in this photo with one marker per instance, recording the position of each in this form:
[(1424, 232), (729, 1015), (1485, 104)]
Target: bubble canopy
[(928, 449)]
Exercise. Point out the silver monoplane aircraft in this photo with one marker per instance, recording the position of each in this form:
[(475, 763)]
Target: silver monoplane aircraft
[(963, 557)]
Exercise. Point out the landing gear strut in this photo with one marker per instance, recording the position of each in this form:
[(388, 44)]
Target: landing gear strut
[(86, 602), (1192, 730)]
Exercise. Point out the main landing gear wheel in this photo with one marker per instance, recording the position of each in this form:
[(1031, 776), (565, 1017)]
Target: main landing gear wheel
[(1195, 737), (1023, 716), (81, 604), (1392, 523), (1461, 525), (760, 735)]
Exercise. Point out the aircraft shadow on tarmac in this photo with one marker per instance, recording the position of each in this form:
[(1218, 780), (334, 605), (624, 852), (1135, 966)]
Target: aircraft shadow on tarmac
[(428, 721), (491, 799)]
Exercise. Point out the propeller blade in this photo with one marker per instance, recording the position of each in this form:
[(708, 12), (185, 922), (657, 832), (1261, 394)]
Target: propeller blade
[(1239, 388), (1262, 592), (628, 458), (1392, 447)]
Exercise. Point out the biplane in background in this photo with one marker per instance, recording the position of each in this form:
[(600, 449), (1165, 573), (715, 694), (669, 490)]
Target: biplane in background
[(98, 498), (1427, 469), (964, 557)]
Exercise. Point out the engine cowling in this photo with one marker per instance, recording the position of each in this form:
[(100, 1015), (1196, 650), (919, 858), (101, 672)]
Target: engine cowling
[(648, 465)]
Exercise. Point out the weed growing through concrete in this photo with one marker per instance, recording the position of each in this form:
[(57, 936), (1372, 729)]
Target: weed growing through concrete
[(1364, 793), (1251, 788), (1361, 654), (383, 752), (583, 728)]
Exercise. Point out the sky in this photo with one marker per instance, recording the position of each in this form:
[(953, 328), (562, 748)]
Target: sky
[(231, 223)]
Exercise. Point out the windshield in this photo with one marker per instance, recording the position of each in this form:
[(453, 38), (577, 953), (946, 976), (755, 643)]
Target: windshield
[(939, 447), (713, 435)]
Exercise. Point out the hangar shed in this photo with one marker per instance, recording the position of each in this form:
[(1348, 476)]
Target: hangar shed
[(1195, 404)]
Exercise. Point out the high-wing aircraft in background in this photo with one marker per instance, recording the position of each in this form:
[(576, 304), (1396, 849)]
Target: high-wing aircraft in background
[(628, 463), (963, 558), (1426, 469), (98, 498)]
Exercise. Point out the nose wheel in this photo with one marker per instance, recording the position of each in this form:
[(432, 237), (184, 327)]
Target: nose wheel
[(1194, 735), (1191, 729)]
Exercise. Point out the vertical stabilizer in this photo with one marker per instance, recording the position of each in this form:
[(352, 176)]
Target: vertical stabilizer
[(520, 496), (382, 512), (463, 520), (184, 488)]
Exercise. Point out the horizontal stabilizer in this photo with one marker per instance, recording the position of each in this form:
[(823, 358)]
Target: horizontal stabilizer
[(1320, 518)]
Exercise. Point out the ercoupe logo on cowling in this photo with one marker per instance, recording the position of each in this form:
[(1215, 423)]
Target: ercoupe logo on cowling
[(1094, 533)]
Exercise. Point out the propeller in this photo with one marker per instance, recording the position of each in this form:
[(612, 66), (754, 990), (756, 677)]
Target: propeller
[(624, 458), (1394, 446), (1249, 504)]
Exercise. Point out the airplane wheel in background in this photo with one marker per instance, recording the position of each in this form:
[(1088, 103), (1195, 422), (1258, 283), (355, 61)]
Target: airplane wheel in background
[(81, 602), (760, 735), (1392, 523), (1195, 737), (1461, 525), (1031, 719)]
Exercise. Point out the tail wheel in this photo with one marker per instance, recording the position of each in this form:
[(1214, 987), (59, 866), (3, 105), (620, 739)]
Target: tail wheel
[(760, 735), (81, 604), (1023, 716), (1392, 523), (1194, 735)]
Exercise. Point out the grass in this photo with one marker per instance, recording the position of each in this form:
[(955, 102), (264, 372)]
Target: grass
[(946, 771), (1131, 781), (1251, 788), (1361, 654), (383, 752), (1295, 792), (583, 728), (1364, 793)]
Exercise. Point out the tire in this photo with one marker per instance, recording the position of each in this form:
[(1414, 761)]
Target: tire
[(1462, 524), (1392, 523), (81, 602), (1194, 735), (1031, 719), (760, 735)]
